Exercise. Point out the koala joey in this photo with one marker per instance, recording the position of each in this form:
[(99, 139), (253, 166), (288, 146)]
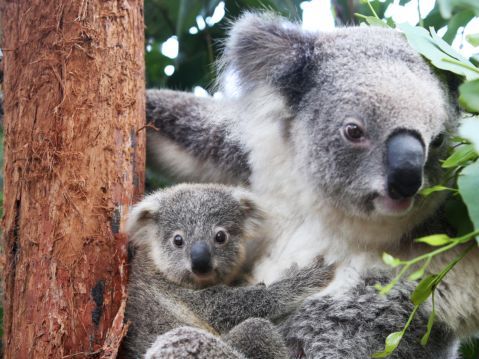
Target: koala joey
[(189, 243)]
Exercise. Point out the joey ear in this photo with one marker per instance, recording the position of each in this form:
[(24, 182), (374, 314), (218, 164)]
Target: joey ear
[(253, 213), (140, 215), (265, 48)]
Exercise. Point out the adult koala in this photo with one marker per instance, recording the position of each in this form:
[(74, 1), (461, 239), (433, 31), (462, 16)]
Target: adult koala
[(336, 133)]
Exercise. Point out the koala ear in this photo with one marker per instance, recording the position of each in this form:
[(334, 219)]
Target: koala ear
[(269, 49), (140, 216), (254, 215)]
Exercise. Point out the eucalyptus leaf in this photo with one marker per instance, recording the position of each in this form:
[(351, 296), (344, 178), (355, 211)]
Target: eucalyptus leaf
[(446, 48), (420, 272), (438, 188), (469, 129), (473, 39), (438, 51), (390, 260), (461, 155), (430, 323), (457, 21), (468, 184), (383, 290), (392, 342), (423, 289), (469, 96), (417, 274), (435, 240), (373, 21)]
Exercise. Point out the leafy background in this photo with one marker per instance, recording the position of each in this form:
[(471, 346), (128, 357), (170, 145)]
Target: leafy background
[(194, 25)]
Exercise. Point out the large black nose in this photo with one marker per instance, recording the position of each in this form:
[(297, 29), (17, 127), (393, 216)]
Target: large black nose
[(405, 163), (200, 258)]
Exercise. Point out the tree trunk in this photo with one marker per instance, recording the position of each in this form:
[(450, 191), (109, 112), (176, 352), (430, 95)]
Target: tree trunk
[(74, 162)]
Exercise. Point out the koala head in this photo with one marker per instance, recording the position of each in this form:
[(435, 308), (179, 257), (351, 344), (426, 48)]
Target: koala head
[(365, 116), (195, 234)]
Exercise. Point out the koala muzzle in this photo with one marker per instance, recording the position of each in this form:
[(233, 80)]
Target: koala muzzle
[(405, 157), (200, 258)]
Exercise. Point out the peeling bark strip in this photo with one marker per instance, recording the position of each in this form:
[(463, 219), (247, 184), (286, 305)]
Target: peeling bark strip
[(74, 95)]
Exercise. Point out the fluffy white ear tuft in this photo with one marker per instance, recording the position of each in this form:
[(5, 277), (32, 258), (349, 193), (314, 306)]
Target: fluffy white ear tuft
[(255, 216), (267, 48), (141, 215)]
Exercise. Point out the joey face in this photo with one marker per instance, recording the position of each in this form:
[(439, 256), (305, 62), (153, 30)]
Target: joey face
[(195, 234), (200, 256)]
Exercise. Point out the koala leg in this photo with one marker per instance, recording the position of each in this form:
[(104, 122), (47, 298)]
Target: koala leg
[(190, 343), (257, 338), (356, 323)]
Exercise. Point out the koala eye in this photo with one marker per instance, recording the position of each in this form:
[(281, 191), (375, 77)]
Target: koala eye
[(353, 132), (220, 237), (438, 140), (178, 241)]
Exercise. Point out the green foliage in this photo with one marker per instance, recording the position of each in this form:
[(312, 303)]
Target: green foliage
[(435, 240), (392, 341), (470, 129), (347, 11), (469, 96), (449, 6), (197, 52), (460, 156), (468, 184), (473, 39), (436, 50)]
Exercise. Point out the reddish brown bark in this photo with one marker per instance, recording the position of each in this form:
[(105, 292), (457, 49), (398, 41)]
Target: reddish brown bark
[(74, 161)]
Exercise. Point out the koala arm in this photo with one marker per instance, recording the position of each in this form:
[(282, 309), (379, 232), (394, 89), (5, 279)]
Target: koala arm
[(257, 338), (224, 307), (356, 323), (190, 343), (191, 138)]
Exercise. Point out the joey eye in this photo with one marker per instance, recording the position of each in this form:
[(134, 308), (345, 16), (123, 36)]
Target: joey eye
[(220, 237), (353, 132), (178, 241), (438, 140)]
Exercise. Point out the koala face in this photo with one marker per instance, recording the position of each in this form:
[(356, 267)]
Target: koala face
[(368, 119), (369, 134), (195, 234)]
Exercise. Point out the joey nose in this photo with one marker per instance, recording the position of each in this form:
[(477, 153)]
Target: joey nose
[(405, 157), (200, 258)]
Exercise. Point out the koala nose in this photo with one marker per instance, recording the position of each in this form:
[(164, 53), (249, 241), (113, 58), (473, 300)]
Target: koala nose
[(405, 162), (200, 258)]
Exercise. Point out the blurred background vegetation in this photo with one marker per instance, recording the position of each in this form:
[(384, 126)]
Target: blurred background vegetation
[(184, 38)]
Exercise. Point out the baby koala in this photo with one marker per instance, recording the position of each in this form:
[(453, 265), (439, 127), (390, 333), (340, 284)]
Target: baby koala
[(189, 242)]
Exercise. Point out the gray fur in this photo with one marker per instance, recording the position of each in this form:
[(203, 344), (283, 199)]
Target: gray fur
[(293, 94), (360, 323), (248, 338), (212, 146), (164, 294), (190, 343)]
